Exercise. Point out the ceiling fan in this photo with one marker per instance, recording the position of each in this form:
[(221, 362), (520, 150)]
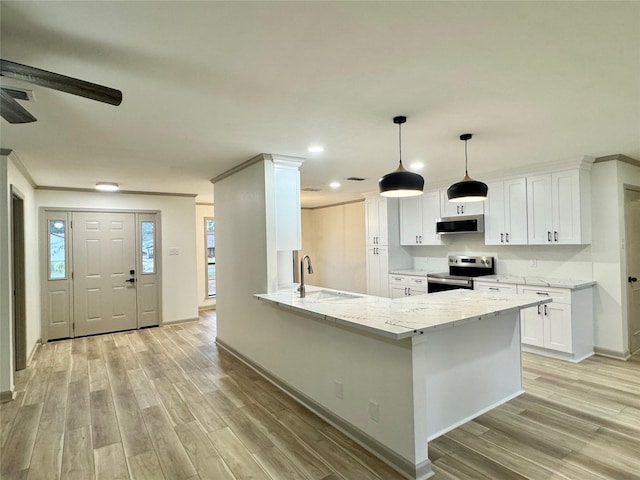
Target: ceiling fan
[(13, 112)]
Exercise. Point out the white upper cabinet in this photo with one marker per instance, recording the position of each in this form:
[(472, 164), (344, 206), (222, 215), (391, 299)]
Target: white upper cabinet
[(418, 219), (559, 208), (452, 209), (410, 220), (376, 220), (505, 215), (287, 199), (378, 270)]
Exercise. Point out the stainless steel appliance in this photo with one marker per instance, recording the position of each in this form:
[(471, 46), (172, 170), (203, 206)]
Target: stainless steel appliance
[(462, 270), (460, 224)]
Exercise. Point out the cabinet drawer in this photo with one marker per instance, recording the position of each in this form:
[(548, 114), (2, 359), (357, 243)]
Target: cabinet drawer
[(397, 280), (418, 282), (559, 295), (495, 287)]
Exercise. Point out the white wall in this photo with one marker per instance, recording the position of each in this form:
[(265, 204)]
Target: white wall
[(334, 237), (13, 177), (202, 211), (6, 347), (179, 272)]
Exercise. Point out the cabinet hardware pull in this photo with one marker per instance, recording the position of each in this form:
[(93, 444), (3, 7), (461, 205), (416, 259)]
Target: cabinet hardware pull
[(555, 236), (546, 294), (548, 236), (420, 238), (507, 237), (457, 208), (461, 208), (538, 309), (545, 309), (416, 238), (502, 238), (494, 288)]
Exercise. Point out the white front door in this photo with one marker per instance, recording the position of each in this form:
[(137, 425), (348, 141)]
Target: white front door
[(104, 259), (632, 226)]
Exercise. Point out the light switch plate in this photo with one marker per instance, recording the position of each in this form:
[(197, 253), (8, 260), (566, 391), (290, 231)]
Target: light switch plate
[(174, 251)]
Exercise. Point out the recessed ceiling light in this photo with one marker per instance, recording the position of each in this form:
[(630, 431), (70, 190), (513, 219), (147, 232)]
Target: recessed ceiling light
[(315, 148), (417, 166), (107, 186), (334, 184)]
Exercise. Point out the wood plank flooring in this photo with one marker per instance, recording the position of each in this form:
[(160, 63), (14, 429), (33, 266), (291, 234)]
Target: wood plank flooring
[(167, 403)]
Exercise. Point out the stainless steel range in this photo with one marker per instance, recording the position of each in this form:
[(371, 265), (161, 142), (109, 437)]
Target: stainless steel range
[(462, 270)]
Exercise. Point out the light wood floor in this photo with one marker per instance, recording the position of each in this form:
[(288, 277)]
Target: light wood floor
[(167, 403)]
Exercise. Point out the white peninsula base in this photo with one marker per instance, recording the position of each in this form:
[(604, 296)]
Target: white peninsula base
[(392, 392)]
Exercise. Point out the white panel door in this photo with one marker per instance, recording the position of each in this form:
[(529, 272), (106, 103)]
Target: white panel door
[(515, 215), (430, 212), (103, 259), (566, 207), (632, 226), (410, 220), (539, 210), (494, 227)]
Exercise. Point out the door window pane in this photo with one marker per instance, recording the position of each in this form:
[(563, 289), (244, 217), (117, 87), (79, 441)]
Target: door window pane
[(210, 231), (57, 250), (148, 247)]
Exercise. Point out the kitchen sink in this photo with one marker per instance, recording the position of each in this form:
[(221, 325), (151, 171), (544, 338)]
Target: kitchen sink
[(329, 295)]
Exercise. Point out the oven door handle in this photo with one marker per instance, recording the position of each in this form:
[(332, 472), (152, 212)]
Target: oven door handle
[(449, 281)]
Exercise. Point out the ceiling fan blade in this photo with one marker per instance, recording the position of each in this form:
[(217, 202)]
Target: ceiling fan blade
[(59, 82), (12, 111)]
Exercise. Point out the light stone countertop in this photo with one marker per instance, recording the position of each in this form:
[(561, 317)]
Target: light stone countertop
[(401, 317), (572, 284), (412, 272)]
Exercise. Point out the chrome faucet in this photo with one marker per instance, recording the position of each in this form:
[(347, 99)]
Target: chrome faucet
[(301, 288)]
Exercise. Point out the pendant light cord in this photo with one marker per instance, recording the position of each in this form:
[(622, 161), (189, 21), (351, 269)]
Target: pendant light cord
[(400, 141), (465, 158)]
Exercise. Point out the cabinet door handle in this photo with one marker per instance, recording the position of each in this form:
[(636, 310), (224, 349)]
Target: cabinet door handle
[(409, 291), (538, 309), (555, 236), (546, 294), (420, 238), (416, 238), (494, 288), (461, 208), (502, 238), (507, 237), (548, 236), (545, 309)]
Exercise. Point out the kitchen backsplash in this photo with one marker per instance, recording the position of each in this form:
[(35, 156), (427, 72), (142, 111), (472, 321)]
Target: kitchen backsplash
[(556, 261)]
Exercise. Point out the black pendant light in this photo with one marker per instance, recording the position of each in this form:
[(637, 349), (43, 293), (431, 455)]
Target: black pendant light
[(467, 190), (401, 182)]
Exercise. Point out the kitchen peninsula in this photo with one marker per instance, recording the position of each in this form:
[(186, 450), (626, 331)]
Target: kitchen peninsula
[(404, 370), (391, 373)]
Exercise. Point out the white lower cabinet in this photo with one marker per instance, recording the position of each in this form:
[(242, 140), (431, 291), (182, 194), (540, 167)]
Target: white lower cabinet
[(378, 270), (407, 286), (562, 328)]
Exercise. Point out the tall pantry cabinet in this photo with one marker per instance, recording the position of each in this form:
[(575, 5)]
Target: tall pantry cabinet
[(377, 245)]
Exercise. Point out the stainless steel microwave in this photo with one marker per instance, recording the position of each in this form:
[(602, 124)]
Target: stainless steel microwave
[(460, 224)]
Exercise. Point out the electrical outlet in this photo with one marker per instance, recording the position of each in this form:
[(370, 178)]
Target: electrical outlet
[(533, 262), (339, 389), (374, 411)]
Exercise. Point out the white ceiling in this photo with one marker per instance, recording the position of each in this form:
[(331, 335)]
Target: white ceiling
[(208, 85)]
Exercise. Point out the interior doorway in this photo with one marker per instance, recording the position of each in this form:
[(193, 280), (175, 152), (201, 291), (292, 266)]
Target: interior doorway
[(19, 305), (632, 241)]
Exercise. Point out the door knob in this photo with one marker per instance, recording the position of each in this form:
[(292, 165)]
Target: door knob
[(131, 280), (632, 279)]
